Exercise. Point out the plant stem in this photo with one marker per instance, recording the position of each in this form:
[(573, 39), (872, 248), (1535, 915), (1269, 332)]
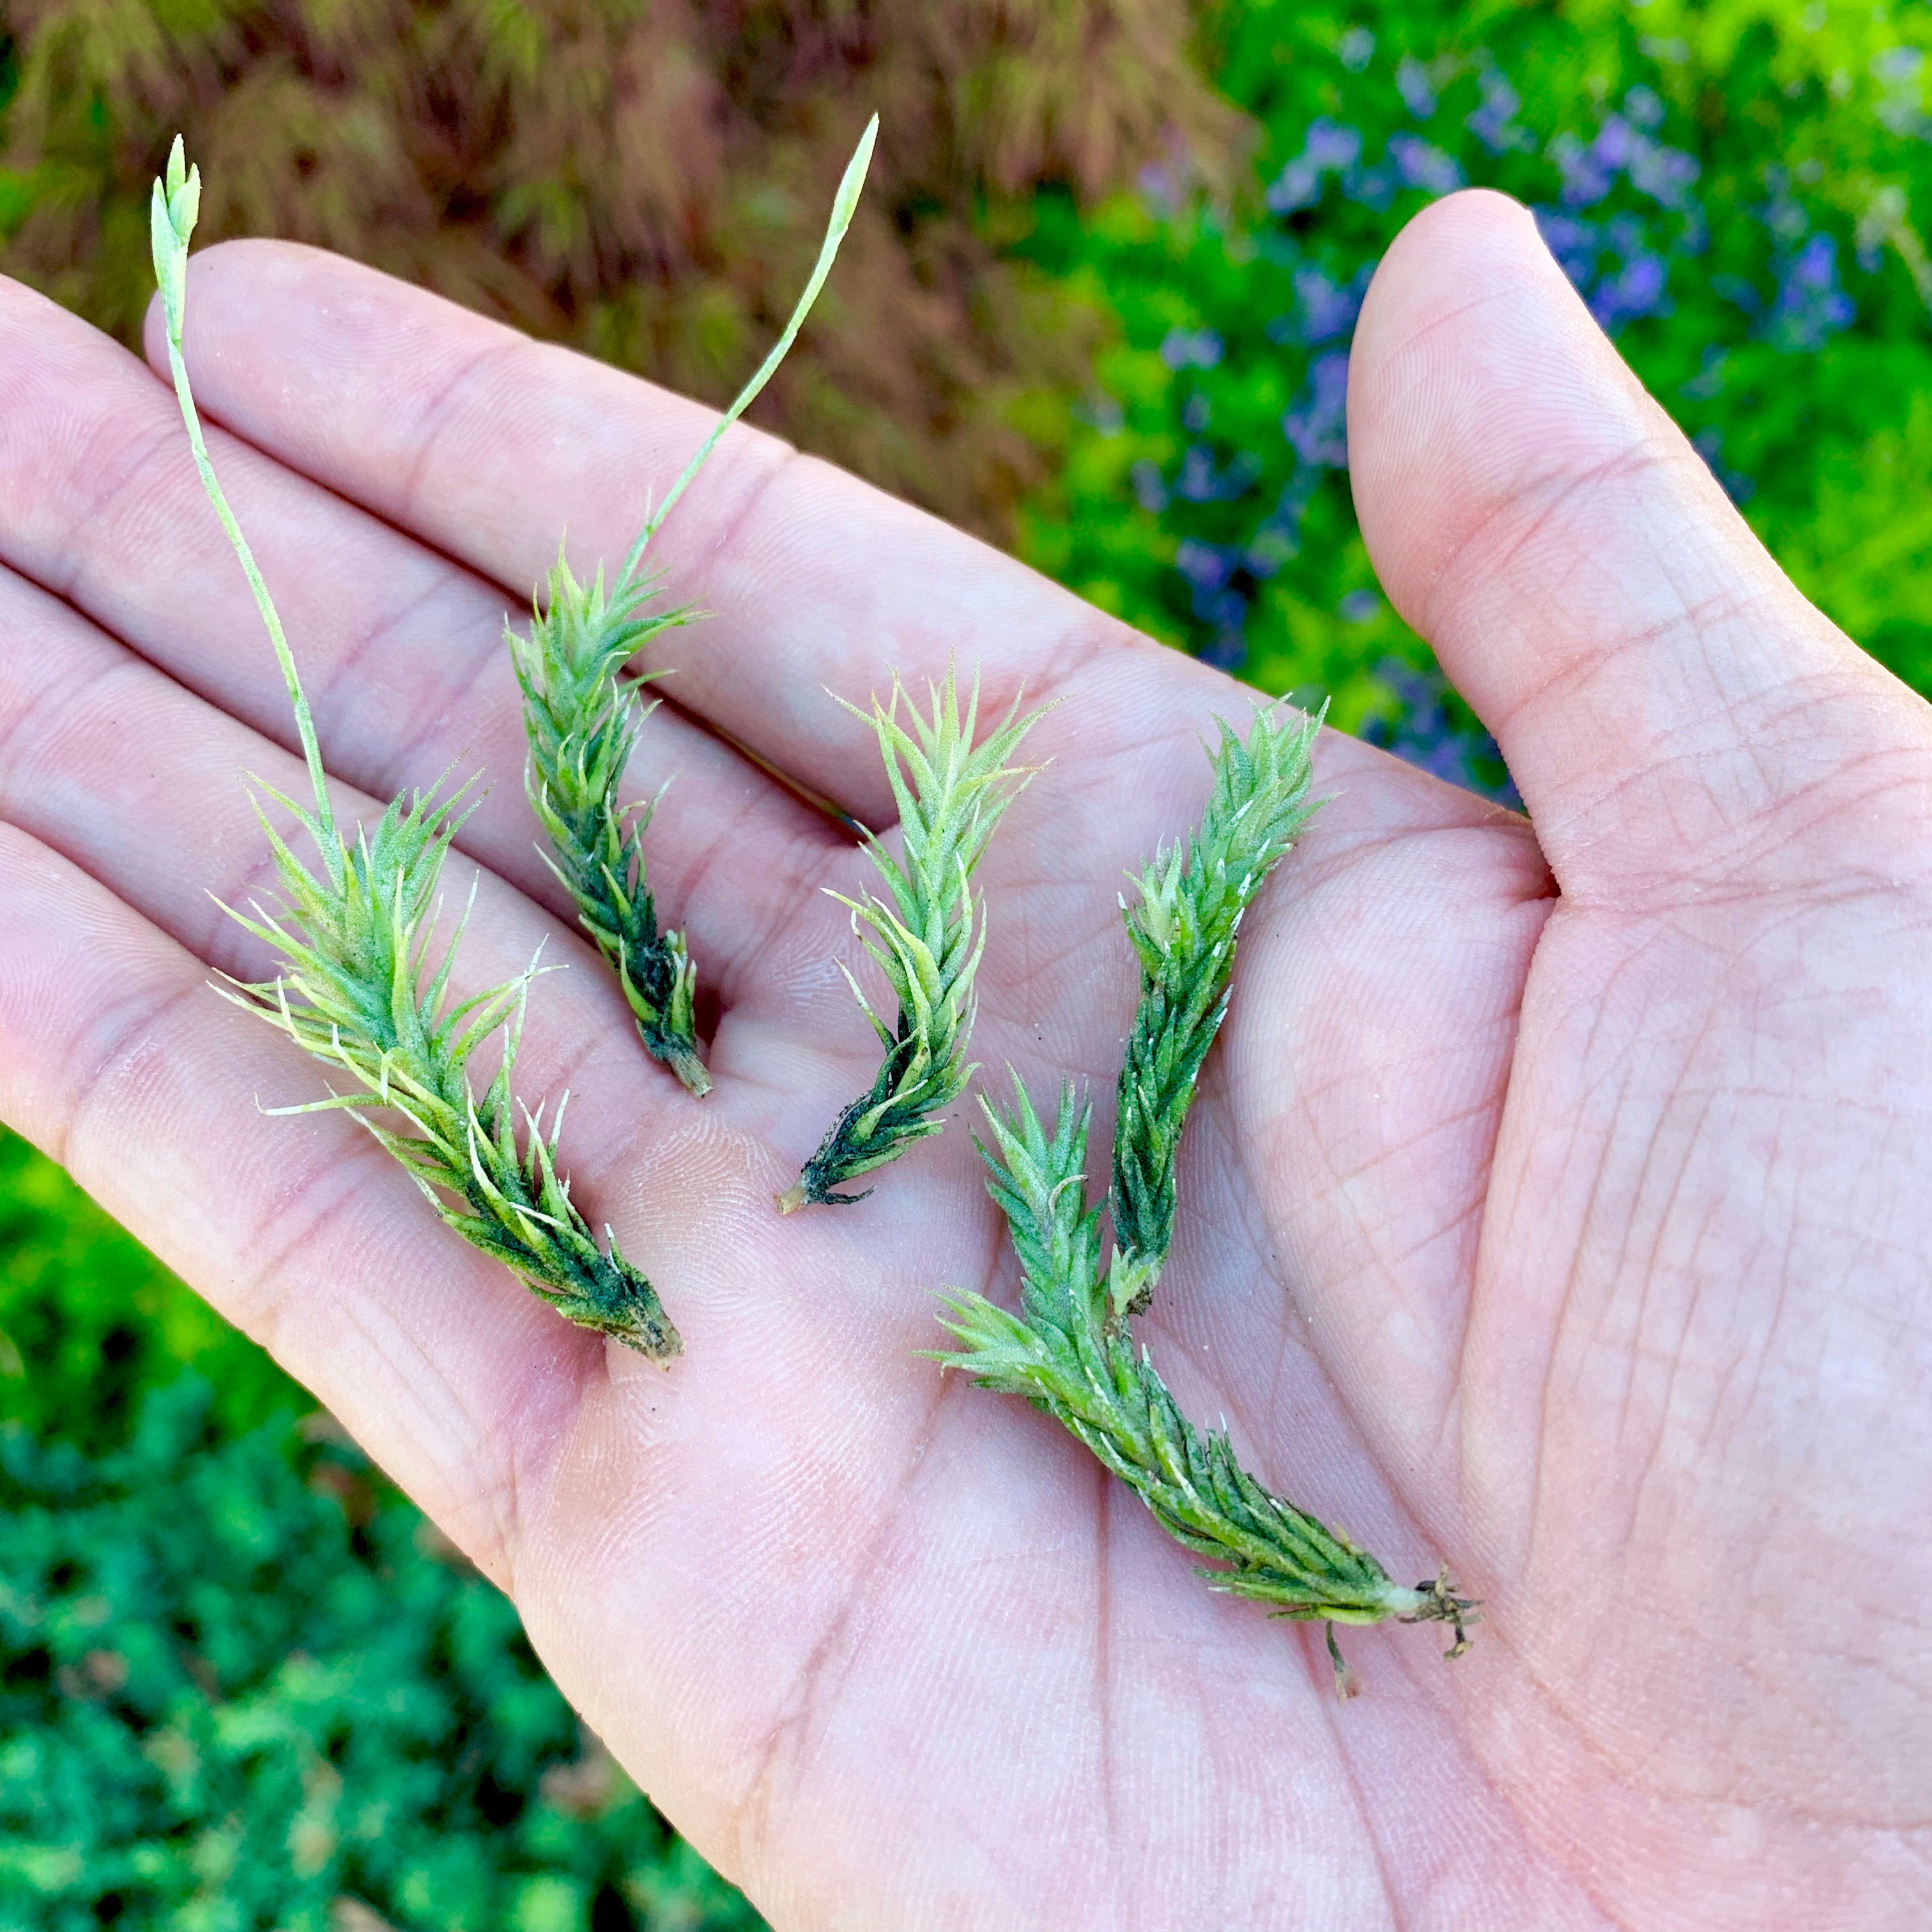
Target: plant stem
[(582, 720)]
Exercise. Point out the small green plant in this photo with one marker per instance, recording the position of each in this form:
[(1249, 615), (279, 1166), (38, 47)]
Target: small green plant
[(358, 991), (1069, 1350), (927, 940), (583, 719)]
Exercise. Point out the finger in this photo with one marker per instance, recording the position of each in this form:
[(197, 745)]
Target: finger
[(132, 778), (488, 446), (1671, 709), (402, 651), (119, 770)]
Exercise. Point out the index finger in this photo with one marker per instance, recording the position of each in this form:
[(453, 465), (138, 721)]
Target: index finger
[(490, 446)]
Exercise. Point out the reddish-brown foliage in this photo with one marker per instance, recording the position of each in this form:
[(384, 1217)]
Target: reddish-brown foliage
[(646, 179)]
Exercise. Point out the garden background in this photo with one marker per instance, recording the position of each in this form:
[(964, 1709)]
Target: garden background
[(1097, 306)]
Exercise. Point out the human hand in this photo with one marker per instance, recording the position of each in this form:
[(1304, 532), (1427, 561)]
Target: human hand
[(1574, 1233)]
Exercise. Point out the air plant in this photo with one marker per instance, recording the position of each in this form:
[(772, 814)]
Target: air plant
[(1069, 1348), (583, 719), (362, 988), (926, 938)]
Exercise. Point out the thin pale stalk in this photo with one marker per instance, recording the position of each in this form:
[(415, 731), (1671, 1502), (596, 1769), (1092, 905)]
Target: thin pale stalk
[(357, 991)]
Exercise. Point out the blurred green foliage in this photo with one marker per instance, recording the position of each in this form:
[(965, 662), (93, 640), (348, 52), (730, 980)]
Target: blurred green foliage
[(243, 1684), (1738, 191), (241, 1687), (89, 1320)]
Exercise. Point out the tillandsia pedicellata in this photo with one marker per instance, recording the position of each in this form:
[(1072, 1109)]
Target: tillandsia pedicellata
[(927, 939), (582, 720), (1069, 1349), (358, 988)]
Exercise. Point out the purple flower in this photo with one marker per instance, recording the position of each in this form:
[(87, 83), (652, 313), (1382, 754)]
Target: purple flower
[(1494, 122), (1298, 185), (1666, 174), (1637, 289), (1611, 149), (1328, 308), (1422, 165), (1329, 145), (1197, 482), (1201, 480), (1412, 80), (1809, 307), (1816, 266), (1209, 570), (1329, 148), (1589, 174), (1191, 348), (1317, 425), (1206, 567)]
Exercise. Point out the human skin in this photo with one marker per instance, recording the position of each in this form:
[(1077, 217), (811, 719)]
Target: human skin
[(1556, 1206)]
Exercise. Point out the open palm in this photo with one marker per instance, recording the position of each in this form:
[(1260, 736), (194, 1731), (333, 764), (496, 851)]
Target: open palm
[(1556, 1205)]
